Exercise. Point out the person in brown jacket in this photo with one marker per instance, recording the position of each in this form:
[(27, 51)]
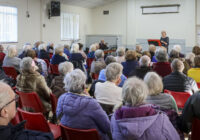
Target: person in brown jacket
[(57, 85), (31, 81)]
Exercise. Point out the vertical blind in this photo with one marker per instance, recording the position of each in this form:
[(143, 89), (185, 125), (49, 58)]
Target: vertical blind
[(8, 24), (69, 26)]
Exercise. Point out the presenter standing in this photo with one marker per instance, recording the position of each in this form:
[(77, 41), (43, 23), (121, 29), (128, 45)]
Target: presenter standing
[(164, 40)]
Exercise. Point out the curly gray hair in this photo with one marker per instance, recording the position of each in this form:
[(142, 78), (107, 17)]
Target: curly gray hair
[(65, 67), (161, 55)]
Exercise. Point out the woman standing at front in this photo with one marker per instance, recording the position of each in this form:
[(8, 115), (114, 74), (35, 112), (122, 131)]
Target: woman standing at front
[(164, 40)]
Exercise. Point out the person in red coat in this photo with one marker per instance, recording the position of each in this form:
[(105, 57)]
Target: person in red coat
[(162, 66), (2, 54)]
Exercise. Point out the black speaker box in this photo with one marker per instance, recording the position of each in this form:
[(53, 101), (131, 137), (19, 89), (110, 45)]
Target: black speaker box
[(55, 8)]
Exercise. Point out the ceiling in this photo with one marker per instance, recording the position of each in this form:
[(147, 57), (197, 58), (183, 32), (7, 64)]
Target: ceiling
[(87, 3)]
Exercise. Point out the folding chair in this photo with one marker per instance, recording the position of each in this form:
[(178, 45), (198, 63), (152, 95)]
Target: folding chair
[(47, 62), (78, 134), (10, 72), (54, 69), (54, 102)]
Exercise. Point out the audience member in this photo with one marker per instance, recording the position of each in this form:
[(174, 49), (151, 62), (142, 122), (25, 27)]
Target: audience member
[(136, 120), (155, 96), (147, 53), (120, 55), (92, 51), (108, 92), (98, 64), (36, 45), (30, 80), (131, 63), (178, 49), (8, 101), (50, 47), (152, 50), (196, 50), (103, 45), (57, 85), (11, 59), (2, 54), (162, 66), (144, 67), (67, 50), (189, 58), (138, 50), (77, 110), (195, 72), (26, 47), (43, 54), (177, 81), (58, 55), (81, 51)]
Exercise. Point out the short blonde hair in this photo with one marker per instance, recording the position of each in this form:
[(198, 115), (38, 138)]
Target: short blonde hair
[(75, 48), (12, 51), (93, 48), (121, 51), (154, 82), (152, 48)]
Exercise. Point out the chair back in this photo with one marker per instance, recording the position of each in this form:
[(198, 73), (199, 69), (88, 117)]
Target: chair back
[(47, 62), (180, 97), (17, 119), (78, 134), (95, 76), (195, 129), (54, 102), (10, 72), (198, 84), (89, 62), (50, 55), (54, 69), (35, 121), (30, 101)]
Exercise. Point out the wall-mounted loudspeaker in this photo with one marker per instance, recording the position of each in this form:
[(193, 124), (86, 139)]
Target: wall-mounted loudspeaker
[(55, 8)]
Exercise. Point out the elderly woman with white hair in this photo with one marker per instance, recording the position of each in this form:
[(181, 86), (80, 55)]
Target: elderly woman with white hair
[(92, 50), (162, 66), (11, 59), (77, 110), (109, 93), (76, 57), (43, 54), (178, 49), (26, 47), (57, 85), (58, 55), (189, 58), (137, 120), (120, 55), (155, 96), (98, 64), (30, 80)]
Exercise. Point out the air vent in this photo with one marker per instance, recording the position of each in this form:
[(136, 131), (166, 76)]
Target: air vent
[(106, 12)]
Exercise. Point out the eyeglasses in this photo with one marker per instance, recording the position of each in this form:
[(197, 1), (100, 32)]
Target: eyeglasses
[(15, 99)]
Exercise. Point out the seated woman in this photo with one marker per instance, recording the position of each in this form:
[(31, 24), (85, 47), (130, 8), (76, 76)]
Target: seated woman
[(136, 120), (155, 96), (58, 55), (43, 54), (131, 63), (108, 92), (92, 50), (162, 66), (31, 81), (26, 47), (195, 72), (120, 55), (76, 57), (57, 85), (11, 59), (77, 110)]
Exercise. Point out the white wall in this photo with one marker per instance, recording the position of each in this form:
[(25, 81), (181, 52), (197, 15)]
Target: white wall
[(198, 12), (126, 19)]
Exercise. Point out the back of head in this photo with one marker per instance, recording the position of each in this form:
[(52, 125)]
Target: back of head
[(58, 49), (12, 51), (154, 83), (26, 64), (110, 59), (177, 65), (75, 81), (145, 61), (196, 50), (161, 55), (174, 54), (113, 71), (27, 47), (152, 48), (67, 46), (134, 91), (177, 48), (131, 55), (99, 54), (42, 47), (75, 48), (65, 67), (147, 53), (121, 51), (31, 53), (190, 58), (138, 48), (197, 61), (93, 48), (80, 46), (1, 48)]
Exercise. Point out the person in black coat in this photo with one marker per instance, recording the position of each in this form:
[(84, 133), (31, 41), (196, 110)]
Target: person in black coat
[(43, 54), (164, 40), (7, 113), (102, 45)]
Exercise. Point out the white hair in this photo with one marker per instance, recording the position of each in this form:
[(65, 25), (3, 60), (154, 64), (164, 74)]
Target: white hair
[(75, 81), (4, 93), (93, 48), (65, 67), (58, 49), (27, 47), (26, 64), (177, 65), (99, 54), (152, 48), (42, 47), (12, 51), (161, 55), (145, 61), (177, 48), (138, 48), (121, 51), (134, 91), (113, 71), (75, 48), (154, 83), (190, 56)]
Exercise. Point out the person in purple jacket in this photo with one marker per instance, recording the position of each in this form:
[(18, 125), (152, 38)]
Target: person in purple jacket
[(77, 110), (138, 121)]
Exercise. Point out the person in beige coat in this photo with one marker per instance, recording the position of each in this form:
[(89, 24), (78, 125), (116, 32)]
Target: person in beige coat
[(31, 81)]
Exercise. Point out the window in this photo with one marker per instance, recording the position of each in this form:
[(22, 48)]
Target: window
[(8, 24), (69, 26)]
